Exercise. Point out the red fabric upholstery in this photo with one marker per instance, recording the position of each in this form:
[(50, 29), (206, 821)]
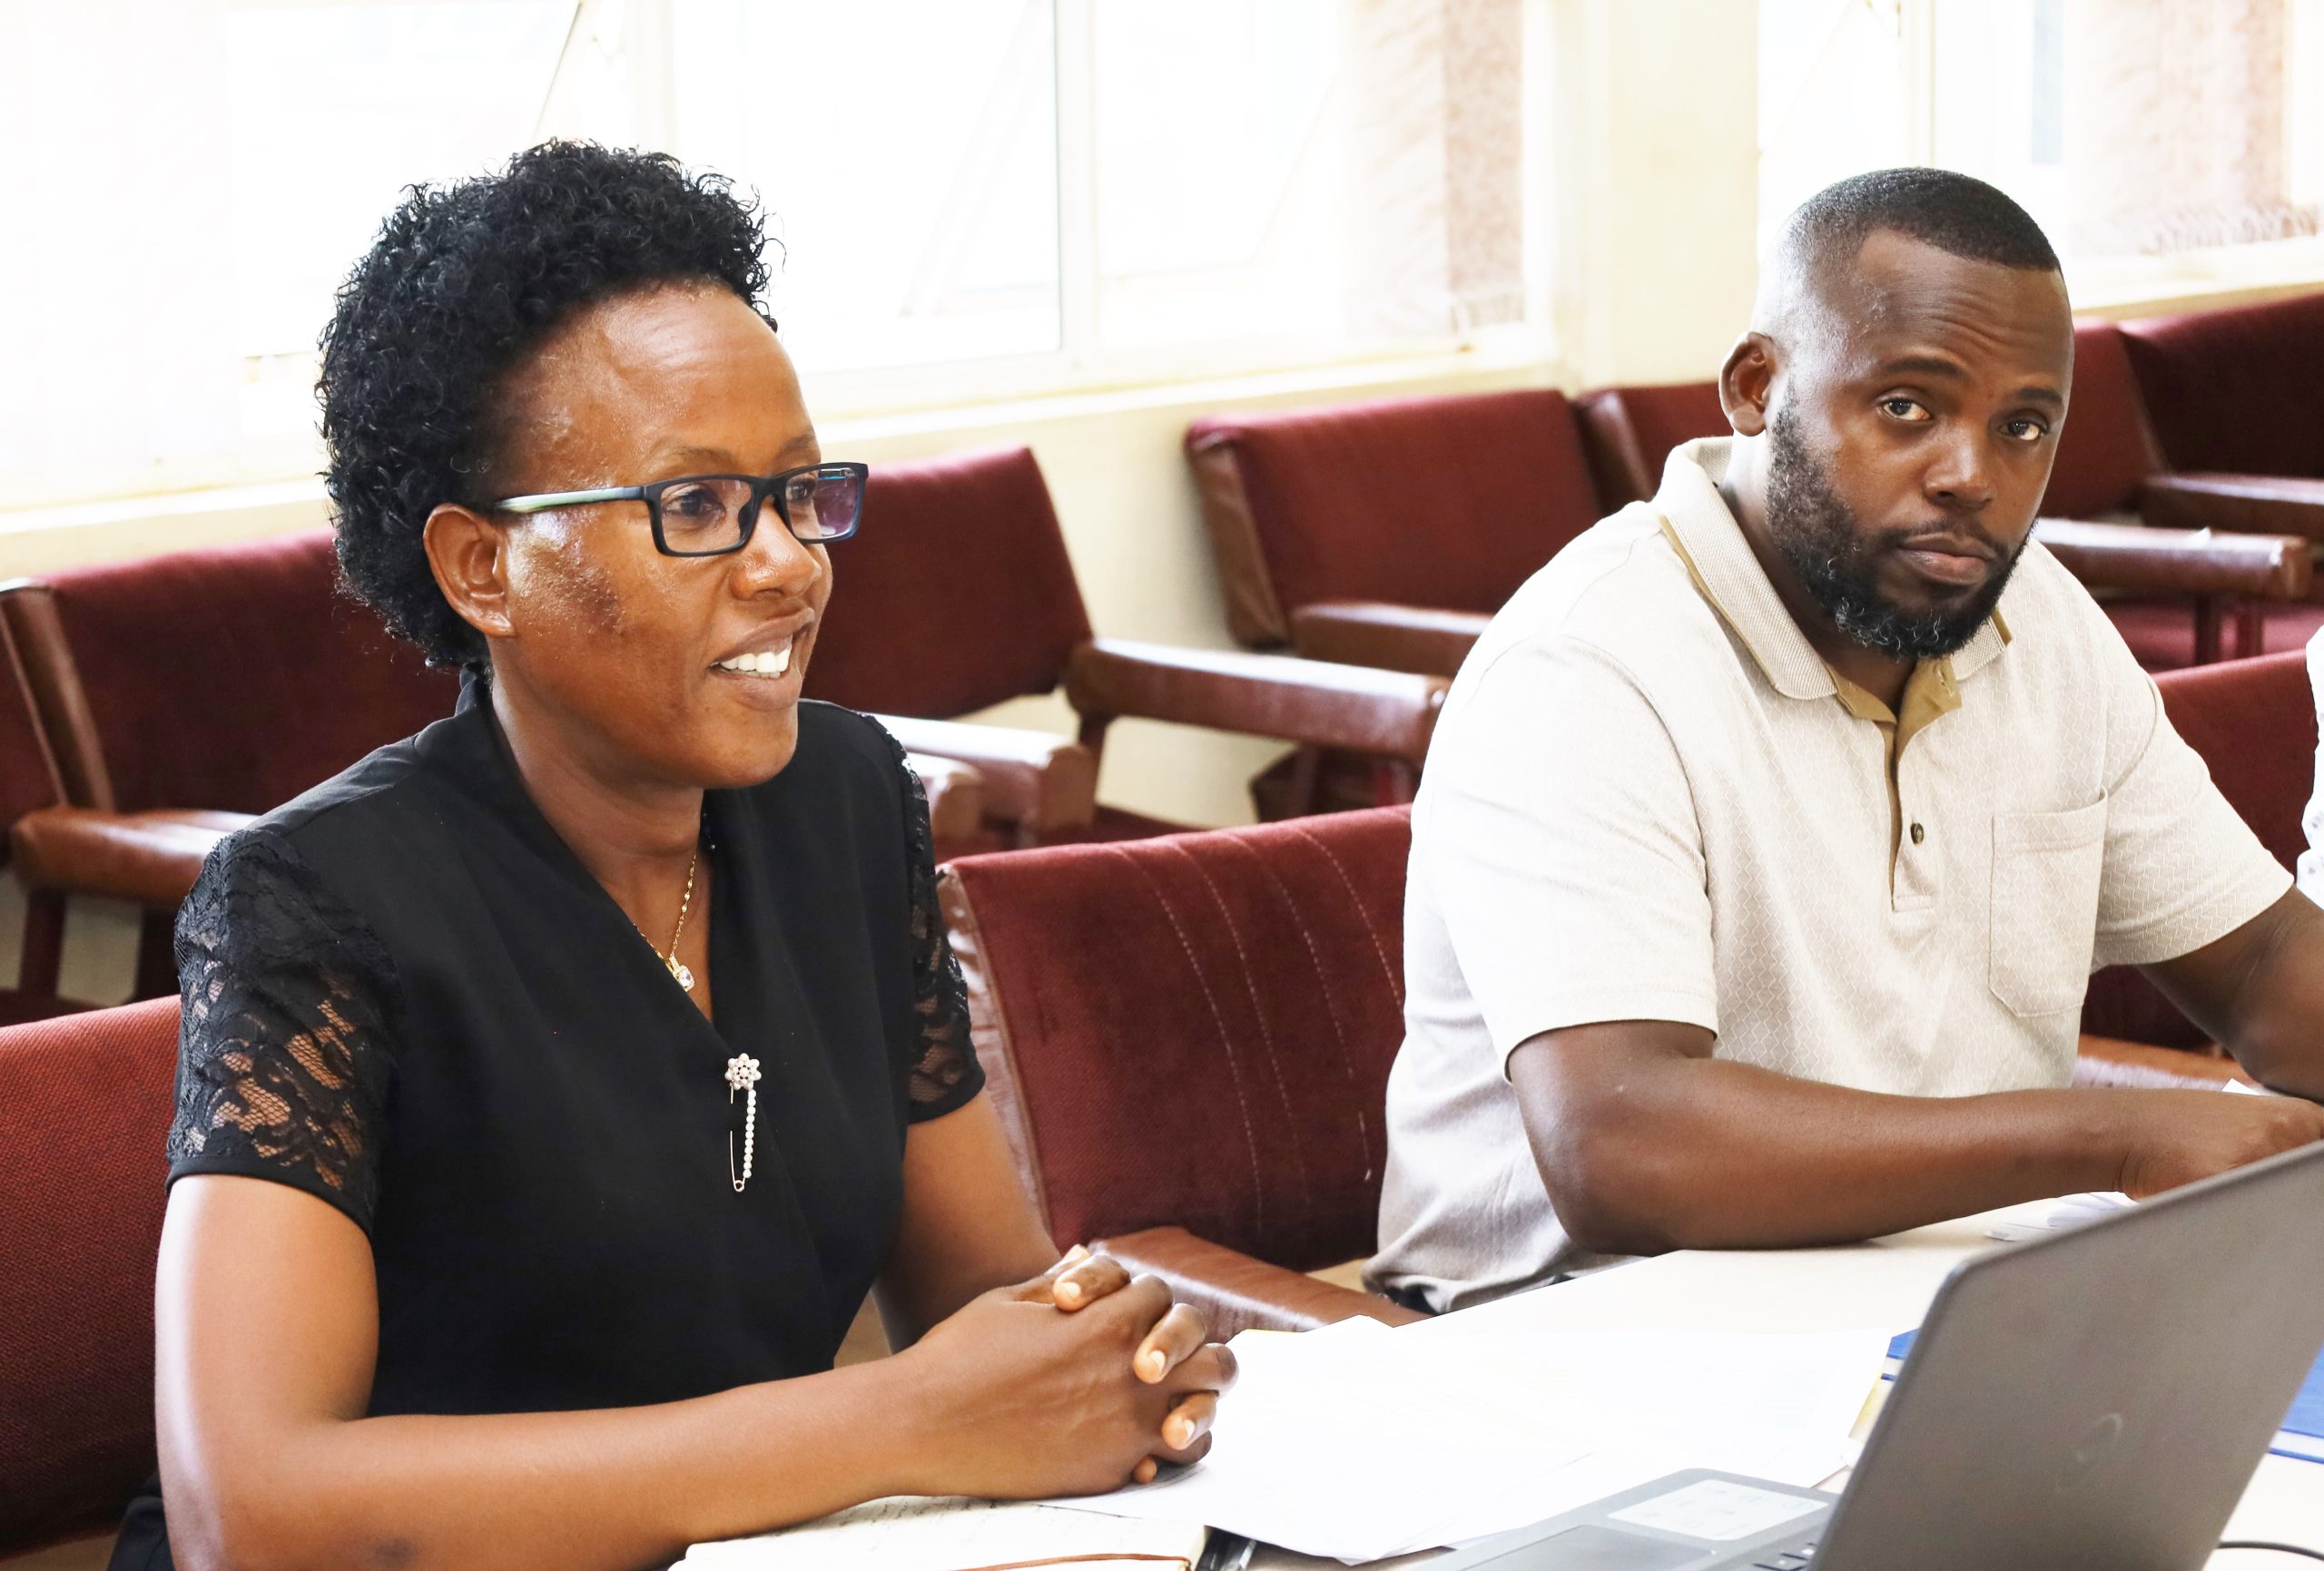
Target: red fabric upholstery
[(1445, 502), (2254, 723), (2236, 390), (237, 676), (2105, 448), (1198, 1028), (1629, 431), (956, 594), (86, 1101)]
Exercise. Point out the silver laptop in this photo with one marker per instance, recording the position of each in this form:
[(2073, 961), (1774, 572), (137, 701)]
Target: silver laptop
[(2093, 1400)]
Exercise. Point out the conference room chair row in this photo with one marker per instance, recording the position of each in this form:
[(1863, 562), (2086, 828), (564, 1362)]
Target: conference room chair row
[(1263, 967), (158, 703), (2188, 491)]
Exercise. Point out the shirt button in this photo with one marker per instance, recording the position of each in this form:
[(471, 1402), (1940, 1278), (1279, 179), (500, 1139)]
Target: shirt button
[(1919, 834)]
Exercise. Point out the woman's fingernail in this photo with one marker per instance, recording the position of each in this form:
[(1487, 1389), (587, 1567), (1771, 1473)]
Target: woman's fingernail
[(1153, 1363), (1078, 1252), (1069, 1290), (1143, 1472), (1179, 1431)]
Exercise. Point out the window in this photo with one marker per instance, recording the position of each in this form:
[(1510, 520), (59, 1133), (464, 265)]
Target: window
[(188, 182), (1047, 194), (2153, 140), (973, 198)]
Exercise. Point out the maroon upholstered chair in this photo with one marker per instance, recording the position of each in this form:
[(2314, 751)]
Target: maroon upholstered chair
[(958, 594), (179, 694), (2169, 590), (87, 1101), (26, 782), (1387, 534), (1188, 1040), (2254, 723)]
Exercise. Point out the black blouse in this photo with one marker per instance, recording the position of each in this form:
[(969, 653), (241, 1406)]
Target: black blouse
[(404, 995)]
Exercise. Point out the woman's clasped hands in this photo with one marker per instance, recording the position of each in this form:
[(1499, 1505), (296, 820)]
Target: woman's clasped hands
[(1075, 1383)]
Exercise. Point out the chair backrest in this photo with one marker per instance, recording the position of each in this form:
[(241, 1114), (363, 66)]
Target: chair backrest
[(86, 1102), (233, 677), (955, 594), (1629, 431), (26, 782), (2236, 390), (2254, 723), (1196, 1030), (2106, 448), (1449, 503)]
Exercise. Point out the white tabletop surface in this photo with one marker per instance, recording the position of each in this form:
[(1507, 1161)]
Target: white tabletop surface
[(1888, 1281)]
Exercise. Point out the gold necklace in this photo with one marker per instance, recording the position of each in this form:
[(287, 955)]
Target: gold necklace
[(680, 971)]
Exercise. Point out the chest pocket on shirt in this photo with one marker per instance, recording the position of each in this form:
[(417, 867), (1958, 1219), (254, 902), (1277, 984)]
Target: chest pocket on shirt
[(2046, 872)]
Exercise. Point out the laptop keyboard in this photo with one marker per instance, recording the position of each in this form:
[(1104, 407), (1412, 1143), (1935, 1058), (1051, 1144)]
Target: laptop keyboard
[(1791, 1559)]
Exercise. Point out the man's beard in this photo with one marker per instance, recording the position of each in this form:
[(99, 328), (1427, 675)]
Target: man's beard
[(1839, 563)]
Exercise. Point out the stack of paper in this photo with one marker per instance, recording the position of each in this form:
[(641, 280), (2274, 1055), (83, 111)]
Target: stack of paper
[(1361, 1442), (916, 1534)]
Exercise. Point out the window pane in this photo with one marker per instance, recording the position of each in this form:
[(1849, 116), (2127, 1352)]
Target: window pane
[(2128, 128), (907, 156), (1303, 172), (194, 179)]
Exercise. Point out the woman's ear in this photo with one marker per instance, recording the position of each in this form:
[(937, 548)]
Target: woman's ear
[(469, 557), (1747, 383)]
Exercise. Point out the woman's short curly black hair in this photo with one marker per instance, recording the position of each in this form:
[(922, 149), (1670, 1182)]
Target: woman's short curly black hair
[(462, 283)]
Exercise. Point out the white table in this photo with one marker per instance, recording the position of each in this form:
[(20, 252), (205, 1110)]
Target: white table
[(1888, 1281)]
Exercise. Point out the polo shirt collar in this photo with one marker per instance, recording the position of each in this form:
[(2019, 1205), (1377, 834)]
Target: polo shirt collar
[(1737, 587)]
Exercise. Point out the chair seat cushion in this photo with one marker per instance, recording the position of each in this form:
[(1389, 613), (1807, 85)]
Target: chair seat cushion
[(149, 859)]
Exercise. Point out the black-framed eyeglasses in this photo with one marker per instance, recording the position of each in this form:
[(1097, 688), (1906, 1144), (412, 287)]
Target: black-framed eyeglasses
[(713, 514)]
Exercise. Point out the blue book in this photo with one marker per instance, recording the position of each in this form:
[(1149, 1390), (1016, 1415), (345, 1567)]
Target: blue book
[(2306, 1417)]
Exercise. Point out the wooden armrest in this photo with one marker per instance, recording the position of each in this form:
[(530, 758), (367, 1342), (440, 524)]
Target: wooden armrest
[(1385, 713), (2241, 504), (1033, 778), (2180, 561), (955, 792), (149, 859), (2106, 1061), (1412, 638), (1236, 1293)]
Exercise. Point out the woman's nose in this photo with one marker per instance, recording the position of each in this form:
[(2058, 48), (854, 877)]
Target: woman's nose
[(774, 558)]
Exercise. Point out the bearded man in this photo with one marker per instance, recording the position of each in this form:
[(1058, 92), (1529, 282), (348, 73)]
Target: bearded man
[(1771, 832)]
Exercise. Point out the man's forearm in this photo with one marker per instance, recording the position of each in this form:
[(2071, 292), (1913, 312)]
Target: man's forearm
[(2259, 992), (1692, 1152)]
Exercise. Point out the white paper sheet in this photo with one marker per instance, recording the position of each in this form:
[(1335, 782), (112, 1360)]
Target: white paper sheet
[(916, 1533), (1359, 1442)]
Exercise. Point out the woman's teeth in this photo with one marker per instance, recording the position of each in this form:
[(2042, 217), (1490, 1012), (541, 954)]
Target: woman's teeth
[(765, 663)]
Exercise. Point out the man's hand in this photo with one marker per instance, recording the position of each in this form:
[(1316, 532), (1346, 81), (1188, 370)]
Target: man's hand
[(2184, 1135)]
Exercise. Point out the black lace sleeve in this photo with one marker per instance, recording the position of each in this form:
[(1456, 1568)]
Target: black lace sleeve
[(945, 1074), (284, 1058)]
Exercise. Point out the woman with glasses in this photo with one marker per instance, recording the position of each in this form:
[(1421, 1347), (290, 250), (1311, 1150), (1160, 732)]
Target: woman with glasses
[(557, 1084)]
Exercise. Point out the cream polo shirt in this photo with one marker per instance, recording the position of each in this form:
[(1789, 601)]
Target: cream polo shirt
[(1647, 799)]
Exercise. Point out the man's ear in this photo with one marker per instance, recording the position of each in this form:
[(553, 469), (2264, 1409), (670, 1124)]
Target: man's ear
[(1747, 383), (469, 553)]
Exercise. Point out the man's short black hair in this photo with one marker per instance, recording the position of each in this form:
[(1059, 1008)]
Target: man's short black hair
[(1958, 215), (462, 283)]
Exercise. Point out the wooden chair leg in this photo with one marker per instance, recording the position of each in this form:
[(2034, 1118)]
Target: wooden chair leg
[(1393, 782), (2206, 631), (157, 962), (42, 959), (2250, 630)]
